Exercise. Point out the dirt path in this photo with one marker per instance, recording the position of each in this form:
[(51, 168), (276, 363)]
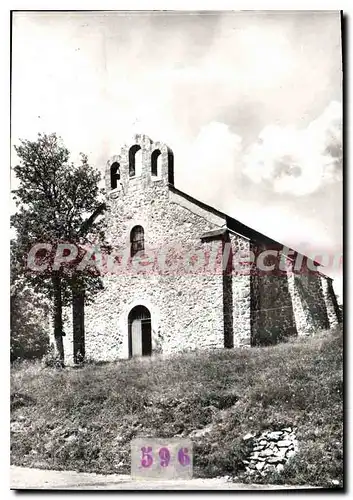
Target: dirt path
[(25, 478)]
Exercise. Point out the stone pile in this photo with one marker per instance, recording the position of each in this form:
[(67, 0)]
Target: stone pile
[(270, 450)]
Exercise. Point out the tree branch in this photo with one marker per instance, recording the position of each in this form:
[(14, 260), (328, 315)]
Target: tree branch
[(88, 222)]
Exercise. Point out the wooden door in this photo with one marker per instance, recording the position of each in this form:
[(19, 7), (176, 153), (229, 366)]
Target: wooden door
[(146, 337), (139, 330), (136, 338)]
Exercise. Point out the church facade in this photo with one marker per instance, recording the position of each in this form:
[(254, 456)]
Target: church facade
[(183, 275)]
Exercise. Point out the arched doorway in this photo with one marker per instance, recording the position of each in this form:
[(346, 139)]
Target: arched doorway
[(139, 330)]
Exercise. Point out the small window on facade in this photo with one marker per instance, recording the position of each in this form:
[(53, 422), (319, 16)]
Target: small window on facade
[(132, 159), (137, 240), (114, 175), (154, 162)]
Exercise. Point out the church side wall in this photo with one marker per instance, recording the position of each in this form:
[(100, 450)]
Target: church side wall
[(272, 315), (309, 304), (240, 291), (332, 309), (272, 310)]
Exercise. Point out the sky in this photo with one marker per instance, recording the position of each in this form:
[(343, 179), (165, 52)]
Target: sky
[(249, 102)]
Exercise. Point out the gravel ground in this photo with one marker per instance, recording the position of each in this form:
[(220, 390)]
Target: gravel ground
[(26, 478)]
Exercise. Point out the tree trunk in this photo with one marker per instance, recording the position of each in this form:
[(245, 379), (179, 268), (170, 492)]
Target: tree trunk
[(58, 319), (78, 321)]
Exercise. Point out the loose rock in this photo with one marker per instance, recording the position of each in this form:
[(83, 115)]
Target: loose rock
[(270, 450), (284, 444), (248, 436)]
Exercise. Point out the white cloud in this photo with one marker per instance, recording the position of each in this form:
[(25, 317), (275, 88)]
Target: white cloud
[(208, 160), (214, 147), (298, 161), (293, 229)]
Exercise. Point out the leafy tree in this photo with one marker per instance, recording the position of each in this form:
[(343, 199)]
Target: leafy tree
[(57, 201), (29, 332)]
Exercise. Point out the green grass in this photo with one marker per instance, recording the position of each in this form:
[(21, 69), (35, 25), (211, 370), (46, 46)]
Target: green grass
[(84, 419)]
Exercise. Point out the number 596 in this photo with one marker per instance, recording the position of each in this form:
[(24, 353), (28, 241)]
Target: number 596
[(164, 456)]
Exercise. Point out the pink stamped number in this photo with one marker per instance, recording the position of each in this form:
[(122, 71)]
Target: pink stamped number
[(183, 456), (147, 459), (164, 456)]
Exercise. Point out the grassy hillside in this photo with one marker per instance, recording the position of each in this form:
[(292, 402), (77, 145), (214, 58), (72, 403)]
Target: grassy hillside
[(83, 419)]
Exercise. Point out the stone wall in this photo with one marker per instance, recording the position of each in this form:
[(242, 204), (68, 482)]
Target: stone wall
[(332, 308), (309, 303), (272, 315), (271, 450), (312, 298), (241, 291), (289, 303)]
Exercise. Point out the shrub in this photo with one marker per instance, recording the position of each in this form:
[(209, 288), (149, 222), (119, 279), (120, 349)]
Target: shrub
[(29, 338)]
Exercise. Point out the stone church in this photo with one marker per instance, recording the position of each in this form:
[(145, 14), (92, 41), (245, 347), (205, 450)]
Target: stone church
[(183, 275)]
